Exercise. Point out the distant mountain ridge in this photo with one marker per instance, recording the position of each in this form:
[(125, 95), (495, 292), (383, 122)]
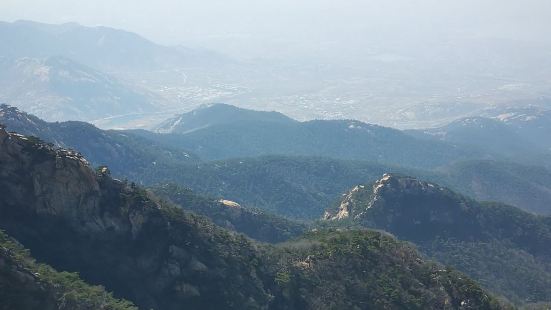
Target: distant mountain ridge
[(74, 72), (532, 123), (517, 134), (215, 115), (57, 88), (525, 186), (102, 48), (246, 133)]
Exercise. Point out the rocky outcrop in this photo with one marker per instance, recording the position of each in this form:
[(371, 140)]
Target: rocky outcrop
[(57, 183), (456, 230), (387, 193)]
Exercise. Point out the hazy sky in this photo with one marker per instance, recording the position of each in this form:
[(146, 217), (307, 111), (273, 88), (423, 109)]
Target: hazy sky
[(256, 26)]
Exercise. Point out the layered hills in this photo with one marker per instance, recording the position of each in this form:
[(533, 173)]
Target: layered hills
[(242, 135), (293, 186), (520, 134), (123, 153), (116, 234), (107, 76)]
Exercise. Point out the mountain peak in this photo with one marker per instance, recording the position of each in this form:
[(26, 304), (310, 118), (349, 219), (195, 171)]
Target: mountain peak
[(217, 114), (413, 209), (14, 115), (362, 198)]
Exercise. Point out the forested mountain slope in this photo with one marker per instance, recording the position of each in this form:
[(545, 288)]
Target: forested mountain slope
[(118, 235), (26, 284), (503, 247)]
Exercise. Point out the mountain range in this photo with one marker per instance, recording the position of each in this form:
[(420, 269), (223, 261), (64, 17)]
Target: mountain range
[(50, 194), (57, 88), (295, 186), (111, 77), (103, 48), (518, 134), (245, 133), (482, 237), (116, 234), (177, 79)]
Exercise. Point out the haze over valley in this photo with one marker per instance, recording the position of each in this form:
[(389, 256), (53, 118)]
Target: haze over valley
[(395, 64)]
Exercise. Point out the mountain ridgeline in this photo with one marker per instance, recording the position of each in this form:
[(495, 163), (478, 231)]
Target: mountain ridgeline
[(245, 133), (102, 48), (118, 235), (215, 115), (520, 135), (300, 187), (125, 154), (94, 74), (502, 247), (57, 88)]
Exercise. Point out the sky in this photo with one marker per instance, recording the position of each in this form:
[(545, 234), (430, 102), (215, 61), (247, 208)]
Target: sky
[(253, 28)]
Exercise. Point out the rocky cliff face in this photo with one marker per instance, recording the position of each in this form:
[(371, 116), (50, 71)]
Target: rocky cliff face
[(58, 183), (408, 207), (115, 234)]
